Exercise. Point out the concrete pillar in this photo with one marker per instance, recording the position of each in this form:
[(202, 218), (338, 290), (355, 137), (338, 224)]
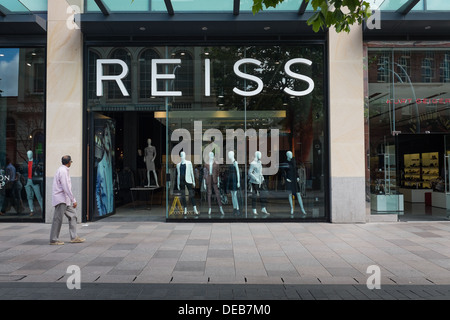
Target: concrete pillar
[(64, 127), (346, 100)]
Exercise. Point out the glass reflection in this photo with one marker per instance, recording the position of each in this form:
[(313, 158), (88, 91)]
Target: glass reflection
[(240, 136), (22, 79)]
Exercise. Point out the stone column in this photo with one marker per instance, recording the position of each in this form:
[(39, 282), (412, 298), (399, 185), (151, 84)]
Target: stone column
[(346, 99), (64, 127)]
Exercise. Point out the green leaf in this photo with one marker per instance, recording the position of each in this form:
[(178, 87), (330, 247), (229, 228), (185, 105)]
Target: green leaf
[(328, 13)]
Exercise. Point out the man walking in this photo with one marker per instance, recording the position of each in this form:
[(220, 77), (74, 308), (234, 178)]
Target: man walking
[(64, 203)]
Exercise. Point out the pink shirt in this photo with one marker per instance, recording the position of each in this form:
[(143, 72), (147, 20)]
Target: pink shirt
[(62, 187)]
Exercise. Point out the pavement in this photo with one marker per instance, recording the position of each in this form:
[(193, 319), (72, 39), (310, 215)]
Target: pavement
[(132, 259)]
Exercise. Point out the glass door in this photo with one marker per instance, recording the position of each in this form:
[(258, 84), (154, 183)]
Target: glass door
[(101, 169)]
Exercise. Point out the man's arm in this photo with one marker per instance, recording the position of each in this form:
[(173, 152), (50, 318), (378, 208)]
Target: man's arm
[(65, 185)]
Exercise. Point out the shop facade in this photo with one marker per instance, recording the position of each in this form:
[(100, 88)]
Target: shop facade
[(254, 124)]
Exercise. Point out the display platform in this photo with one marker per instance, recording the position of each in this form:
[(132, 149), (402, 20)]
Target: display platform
[(414, 195), (387, 202), (440, 200)]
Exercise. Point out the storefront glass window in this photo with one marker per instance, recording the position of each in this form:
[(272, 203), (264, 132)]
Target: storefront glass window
[(22, 136), (408, 123), (217, 132)]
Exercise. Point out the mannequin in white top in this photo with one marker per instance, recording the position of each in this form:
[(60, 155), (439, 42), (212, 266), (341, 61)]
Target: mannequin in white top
[(234, 182), (211, 181), (185, 178), (257, 180), (292, 178), (149, 158)]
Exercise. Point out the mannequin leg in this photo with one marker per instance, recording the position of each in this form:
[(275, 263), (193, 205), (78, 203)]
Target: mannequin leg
[(183, 196), (219, 202), (263, 201), (290, 203), (148, 179), (300, 202), (234, 200), (30, 195), (255, 189), (156, 178), (192, 197), (209, 192), (37, 193)]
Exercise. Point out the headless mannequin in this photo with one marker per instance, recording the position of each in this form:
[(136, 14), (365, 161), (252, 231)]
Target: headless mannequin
[(257, 179), (234, 183), (31, 188), (211, 180), (149, 158), (292, 180), (185, 178)]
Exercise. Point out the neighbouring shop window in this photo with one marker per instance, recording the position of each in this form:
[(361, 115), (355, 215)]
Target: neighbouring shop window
[(408, 123), (22, 135)]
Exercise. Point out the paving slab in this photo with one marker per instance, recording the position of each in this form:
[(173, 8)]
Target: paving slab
[(226, 260)]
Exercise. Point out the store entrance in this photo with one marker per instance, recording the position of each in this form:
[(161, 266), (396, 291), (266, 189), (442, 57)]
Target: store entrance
[(126, 166), (423, 170)]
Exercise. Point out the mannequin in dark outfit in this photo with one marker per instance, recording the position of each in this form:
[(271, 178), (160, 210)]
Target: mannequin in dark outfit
[(291, 176)]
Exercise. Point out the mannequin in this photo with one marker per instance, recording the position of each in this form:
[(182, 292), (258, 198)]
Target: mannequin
[(32, 189), (211, 179), (292, 178), (185, 178), (234, 182), (257, 180), (149, 158)]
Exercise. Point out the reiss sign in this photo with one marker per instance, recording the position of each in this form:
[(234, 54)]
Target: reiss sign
[(155, 76)]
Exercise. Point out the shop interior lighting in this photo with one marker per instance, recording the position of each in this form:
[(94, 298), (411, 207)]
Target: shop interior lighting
[(206, 114)]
